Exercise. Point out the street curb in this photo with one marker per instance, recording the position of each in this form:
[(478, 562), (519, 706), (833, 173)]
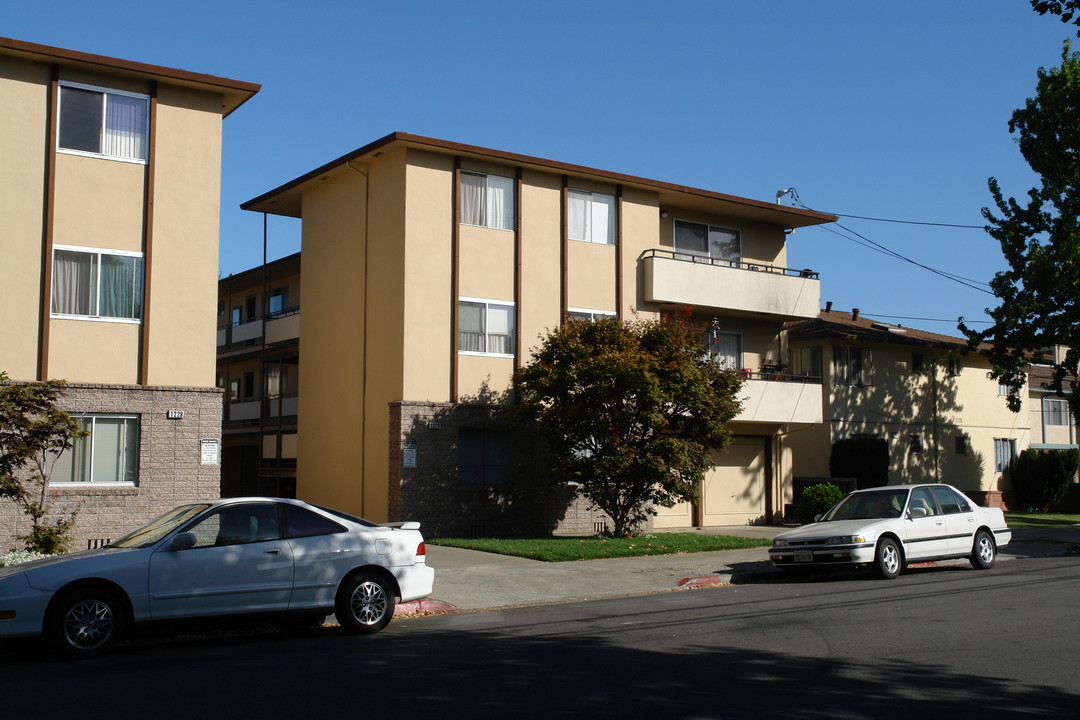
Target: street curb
[(424, 606), (701, 581)]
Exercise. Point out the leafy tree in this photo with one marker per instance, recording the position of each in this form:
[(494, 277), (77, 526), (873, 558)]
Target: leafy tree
[(1040, 239), (34, 430), (630, 411), (1067, 10), (1042, 477)]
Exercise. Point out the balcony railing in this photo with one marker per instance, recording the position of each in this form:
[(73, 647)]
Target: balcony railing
[(679, 278)]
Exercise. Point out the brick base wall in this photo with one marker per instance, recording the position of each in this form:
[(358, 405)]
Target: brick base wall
[(528, 506), (170, 469)]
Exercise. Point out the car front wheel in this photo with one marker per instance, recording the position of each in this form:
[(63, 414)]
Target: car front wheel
[(365, 604), (86, 623), (983, 552), (888, 560)]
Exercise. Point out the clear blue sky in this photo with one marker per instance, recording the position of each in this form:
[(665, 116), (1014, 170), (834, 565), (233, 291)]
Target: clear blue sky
[(893, 110)]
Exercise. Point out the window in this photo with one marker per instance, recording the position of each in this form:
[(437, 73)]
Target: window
[(853, 366), (485, 327), (487, 200), (235, 316), (955, 366), (249, 385), (590, 217), (701, 239), (276, 303), (587, 315), (109, 454), (234, 390), (918, 362), (236, 524), (949, 502), (961, 445), (300, 522), (724, 348), (1003, 390), (485, 456), (1004, 453), (806, 362), (916, 444), (1055, 411), (250, 303), (108, 123), (97, 284)]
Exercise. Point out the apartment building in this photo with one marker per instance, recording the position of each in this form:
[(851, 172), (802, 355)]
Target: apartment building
[(430, 270), (110, 192), (944, 418), (258, 345)]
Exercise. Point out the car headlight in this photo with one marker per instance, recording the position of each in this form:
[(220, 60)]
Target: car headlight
[(845, 540), (780, 543)]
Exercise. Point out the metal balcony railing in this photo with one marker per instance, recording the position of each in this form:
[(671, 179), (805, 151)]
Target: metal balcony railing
[(683, 256)]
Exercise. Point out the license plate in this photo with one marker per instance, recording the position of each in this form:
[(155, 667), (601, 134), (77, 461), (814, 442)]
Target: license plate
[(804, 556)]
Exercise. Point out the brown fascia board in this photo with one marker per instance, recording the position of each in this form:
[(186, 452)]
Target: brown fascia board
[(846, 329), (287, 195), (234, 93)]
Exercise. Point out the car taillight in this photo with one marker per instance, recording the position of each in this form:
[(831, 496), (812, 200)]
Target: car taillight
[(421, 549)]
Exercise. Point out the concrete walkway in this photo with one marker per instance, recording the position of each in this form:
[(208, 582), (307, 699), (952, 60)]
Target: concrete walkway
[(472, 580)]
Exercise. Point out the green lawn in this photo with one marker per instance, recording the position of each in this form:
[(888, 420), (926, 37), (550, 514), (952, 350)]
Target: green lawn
[(594, 548), (1040, 519)]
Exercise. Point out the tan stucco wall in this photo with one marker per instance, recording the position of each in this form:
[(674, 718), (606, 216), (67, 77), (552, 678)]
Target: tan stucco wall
[(187, 199), (24, 88), (331, 408)]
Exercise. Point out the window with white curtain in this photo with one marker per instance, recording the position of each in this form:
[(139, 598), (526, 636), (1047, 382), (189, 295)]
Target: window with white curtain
[(485, 327), (97, 284), (1004, 454), (853, 366), (725, 348), (590, 217), (1056, 411), (487, 200), (709, 240), (107, 123), (108, 454)]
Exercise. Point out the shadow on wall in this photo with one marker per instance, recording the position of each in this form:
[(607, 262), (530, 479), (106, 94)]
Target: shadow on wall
[(463, 470)]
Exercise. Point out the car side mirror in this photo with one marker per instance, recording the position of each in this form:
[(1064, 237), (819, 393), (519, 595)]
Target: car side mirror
[(182, 541), (916, 513), (817, 518)]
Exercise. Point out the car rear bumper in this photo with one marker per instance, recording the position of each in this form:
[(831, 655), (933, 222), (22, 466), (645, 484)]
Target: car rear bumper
[(415, 581)]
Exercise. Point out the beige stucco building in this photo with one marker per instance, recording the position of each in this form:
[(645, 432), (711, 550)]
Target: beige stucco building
[(431, 268), (109, 211), (943, 417)]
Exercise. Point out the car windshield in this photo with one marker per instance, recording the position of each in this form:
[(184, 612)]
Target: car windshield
[(156, 529), (869, 505)]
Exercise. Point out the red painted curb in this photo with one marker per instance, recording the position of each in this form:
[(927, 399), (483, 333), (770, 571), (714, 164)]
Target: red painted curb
[(704, 581), (427, 605)]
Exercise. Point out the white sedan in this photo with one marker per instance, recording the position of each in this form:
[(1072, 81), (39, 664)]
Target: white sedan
[(889, 527), (230, 557)]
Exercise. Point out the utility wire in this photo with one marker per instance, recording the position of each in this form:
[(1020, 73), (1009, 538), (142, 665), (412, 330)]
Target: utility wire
[(878, 247), (911, 222)]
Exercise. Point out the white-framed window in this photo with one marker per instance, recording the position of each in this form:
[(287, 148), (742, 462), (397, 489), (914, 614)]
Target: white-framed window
[(589, 315), (103, 123), (709, 240), (1004, 454), (97, 284), (486, 327), (487, 200), (590, 217), (1055, 411), (109, 454), (724, 348), (853, 366)]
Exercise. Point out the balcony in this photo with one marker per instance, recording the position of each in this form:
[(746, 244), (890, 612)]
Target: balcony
[(677, 278), (777, 398)]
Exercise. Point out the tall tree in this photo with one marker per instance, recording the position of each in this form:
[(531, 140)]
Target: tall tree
[(630, 410), (1040, 239), (1067, 10), (33, 432)]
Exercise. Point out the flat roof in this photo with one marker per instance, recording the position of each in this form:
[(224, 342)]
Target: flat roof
[(234, 93), (285, 200)]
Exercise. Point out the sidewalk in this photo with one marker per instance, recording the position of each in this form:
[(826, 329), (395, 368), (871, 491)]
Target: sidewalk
[(472, 580)]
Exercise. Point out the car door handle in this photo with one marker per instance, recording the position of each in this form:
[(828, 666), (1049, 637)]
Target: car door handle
[(271, 552)]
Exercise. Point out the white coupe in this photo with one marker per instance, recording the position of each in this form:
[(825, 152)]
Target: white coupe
[(230, 557), (889, 527)]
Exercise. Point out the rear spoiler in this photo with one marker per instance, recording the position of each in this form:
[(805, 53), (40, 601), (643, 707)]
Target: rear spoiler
[(411, 525)]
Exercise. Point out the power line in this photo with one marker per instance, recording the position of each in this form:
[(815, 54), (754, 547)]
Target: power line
[(922, 319), (911, 222)]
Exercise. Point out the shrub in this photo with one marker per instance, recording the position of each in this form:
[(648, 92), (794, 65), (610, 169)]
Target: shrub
[(1042, 477), (815, 500), (20, 556)]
